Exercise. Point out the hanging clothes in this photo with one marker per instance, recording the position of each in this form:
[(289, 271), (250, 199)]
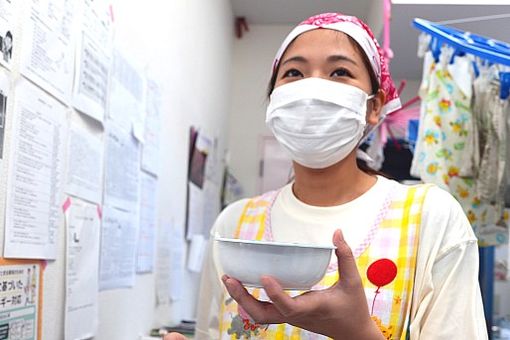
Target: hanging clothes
[(447, 141), (428, 69), (444, 120), (490, 113)]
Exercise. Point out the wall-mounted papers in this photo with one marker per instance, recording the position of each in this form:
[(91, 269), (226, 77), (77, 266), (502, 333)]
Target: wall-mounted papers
[(83, 225), (4, 94), (122, 168), (84, 165), (35, 174), (20, 300), (118, 249), (93, 59), (126, 102), (8, 17), (148, 223), (47, 45), (150, 150)]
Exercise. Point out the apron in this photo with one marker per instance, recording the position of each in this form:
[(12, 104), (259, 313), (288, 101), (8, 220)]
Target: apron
[(393, 236)]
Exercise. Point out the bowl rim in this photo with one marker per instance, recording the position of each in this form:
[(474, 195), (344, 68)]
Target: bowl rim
[(276, 244)]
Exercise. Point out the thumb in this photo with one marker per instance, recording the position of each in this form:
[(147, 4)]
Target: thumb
[(347, 269), (174, 336)]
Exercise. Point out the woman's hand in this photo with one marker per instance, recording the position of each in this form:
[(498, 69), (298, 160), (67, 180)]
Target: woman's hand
[(174, 336), (340, 312)]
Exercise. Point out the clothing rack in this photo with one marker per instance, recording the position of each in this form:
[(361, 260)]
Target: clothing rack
[(494, 52), (475, 19)]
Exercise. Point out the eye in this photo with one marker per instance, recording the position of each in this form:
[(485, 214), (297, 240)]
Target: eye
[(292, 73), (341, 72)]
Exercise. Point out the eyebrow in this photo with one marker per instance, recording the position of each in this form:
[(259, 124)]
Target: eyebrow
[(331, 59), (296, 58), (339, 57)]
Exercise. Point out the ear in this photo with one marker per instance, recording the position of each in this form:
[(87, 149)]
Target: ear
[(374, 107)]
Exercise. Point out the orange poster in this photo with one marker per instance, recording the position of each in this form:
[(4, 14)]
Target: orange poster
[(20, 299)]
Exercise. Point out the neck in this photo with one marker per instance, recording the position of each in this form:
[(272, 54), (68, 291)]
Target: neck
[(335, 185)]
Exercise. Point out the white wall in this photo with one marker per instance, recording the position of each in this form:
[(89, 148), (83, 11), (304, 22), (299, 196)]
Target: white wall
[(252, 59), (410, 90), (187, 47)]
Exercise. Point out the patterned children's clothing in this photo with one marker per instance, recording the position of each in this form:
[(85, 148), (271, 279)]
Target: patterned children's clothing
[(447, 146)]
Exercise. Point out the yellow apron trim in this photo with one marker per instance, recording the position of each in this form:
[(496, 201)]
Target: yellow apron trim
[(413, 219), (249, 218), (421, 199), (280, 332), (401, 261), (222, 312), (242, 218), (262, 228)]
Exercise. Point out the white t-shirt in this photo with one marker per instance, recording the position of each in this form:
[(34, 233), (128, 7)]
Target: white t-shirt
[(446, 302)]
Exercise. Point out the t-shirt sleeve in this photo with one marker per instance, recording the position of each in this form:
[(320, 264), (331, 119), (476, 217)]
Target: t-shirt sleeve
[(447, 302), (211, 288)]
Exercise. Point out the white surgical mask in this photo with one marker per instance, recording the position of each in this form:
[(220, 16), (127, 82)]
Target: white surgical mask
[(319, 122)]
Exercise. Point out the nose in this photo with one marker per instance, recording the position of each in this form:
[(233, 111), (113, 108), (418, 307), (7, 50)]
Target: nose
[(318, 74)]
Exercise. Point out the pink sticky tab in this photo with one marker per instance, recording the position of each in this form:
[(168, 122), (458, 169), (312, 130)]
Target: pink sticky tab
[(111, 13), (99, 212), (66, 204)]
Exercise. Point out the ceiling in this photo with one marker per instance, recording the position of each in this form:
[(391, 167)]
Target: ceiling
[(271, 12), (405, 64), (404, 38)]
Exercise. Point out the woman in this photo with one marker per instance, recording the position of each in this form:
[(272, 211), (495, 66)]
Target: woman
[(407, 252), (7, 46)]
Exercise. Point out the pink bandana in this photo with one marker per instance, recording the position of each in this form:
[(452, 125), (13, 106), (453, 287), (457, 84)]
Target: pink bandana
[(361, 33)]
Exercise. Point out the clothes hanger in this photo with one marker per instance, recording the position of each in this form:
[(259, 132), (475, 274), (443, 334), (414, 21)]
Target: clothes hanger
[(491, 50), (504, 78), (487, 48)]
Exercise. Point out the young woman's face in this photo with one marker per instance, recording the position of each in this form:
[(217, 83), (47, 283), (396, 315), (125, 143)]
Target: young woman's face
[(7, 43), (327, 54)]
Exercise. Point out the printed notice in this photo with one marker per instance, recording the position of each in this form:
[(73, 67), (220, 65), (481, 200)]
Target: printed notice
[(197, 253), (35, 174), (170, 264), (47, 50), (150, 150), (196, 206), (148, 218), (118, 249), (177, 256), (84, 165), (8, 16), (93, 59), (163, 265), (127, 87), (20, 300), (196, 184), (82, 269), (4, 93), (212, 206), (122, 169)]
